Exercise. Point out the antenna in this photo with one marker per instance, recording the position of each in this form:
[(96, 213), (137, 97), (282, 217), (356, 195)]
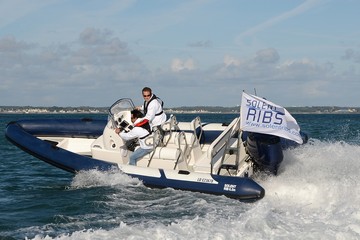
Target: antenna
[(255, 91)]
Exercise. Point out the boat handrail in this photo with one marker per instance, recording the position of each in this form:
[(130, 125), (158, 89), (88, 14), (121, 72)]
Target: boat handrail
[(196, 124), (194, 140), (221, 141), (228, 144), (155, 138), (181, 162), (170, 126)]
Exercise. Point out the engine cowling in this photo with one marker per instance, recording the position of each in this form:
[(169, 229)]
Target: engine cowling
[(265, 151)]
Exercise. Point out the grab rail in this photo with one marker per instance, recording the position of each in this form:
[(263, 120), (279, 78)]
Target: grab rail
[(221, 141)]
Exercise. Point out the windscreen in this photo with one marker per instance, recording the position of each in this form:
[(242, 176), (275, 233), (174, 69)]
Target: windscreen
[(124, 104)]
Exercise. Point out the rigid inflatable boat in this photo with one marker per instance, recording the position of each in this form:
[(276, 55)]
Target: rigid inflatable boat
[(211, 158)]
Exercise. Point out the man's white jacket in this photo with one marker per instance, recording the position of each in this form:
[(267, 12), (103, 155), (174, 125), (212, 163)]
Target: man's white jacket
[(137, 132)]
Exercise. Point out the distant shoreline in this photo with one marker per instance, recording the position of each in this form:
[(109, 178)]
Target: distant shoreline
[(167, 112), (177, 110)]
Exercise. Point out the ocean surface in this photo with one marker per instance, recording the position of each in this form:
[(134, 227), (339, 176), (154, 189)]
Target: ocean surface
[(316, 195)]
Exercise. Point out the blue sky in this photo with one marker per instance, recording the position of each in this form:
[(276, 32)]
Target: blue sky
[(191, 53)]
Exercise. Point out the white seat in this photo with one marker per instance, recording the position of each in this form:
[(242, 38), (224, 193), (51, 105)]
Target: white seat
[(171, 156), (164, 153)]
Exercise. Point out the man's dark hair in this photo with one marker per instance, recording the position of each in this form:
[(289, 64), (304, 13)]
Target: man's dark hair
[(147, 89), (136, 113)]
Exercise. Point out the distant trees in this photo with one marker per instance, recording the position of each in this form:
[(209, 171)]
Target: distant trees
[(198, 109)]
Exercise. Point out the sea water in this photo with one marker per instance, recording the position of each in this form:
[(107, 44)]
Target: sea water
[(316, 195)]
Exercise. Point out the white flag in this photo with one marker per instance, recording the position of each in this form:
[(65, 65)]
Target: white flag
[(262, 116)]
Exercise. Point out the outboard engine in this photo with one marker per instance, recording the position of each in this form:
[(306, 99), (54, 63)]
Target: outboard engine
[(265, 151)]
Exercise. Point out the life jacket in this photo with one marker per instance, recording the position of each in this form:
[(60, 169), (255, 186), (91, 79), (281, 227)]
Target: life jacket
[(146, 104), (144, 124)]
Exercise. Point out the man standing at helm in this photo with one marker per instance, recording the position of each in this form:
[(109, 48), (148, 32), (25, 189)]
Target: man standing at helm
[(152, 108)]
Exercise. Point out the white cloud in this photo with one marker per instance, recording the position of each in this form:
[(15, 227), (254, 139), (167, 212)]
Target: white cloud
[(10, 44), (98, 67), (230, 60), (180, 65), (92, 66), (92, 36), (352, 55), (269, 55)]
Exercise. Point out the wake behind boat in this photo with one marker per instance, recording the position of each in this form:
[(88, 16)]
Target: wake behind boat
[(211, 158)]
